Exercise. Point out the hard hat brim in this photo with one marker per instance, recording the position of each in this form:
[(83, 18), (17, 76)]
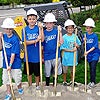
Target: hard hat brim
[(3, 26), (49, 20), (88, 25)]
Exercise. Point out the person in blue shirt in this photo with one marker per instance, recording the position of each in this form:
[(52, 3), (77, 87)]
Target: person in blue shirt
[(49, 47), (12, 47), (70, 45), (32, 42), (92, 50)]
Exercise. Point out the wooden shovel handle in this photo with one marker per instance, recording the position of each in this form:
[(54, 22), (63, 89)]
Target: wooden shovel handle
[(85, 67), (26, 55)]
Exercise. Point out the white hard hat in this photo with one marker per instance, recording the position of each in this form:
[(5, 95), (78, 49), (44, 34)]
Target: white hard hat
[(32, 11), (50, 18), (8, 23), (69, 22), (89, 22)]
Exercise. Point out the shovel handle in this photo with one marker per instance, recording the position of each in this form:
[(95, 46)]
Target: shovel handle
[(40, 51), (74, 63), (56, 63), (26, 55), (85, 66)]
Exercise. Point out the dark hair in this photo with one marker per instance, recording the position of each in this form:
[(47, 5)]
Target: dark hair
[(70, 25), (31, 15)]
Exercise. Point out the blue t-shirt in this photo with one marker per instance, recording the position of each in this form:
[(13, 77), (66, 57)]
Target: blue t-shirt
[(92, 41), (12, 45), (50, 44), (68, 57), (32, 49)]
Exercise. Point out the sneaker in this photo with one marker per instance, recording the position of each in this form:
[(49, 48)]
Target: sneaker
[(70, 84), (37, 87), (91, 85), (64, 83), (20, 91), (8, 97)]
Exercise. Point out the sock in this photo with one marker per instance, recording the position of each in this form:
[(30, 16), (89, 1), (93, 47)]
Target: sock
[(47, 81), (53, 81)]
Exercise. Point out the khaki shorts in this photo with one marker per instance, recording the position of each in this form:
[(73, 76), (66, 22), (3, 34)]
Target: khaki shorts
[(16, 74), (65, 69)]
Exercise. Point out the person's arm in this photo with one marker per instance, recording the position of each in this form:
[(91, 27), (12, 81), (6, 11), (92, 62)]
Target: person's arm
[(67, 50), (60, 36), (11, 61), (0, 40), (78, 42), (94, 46), (30, 42), (90, 50), (41, 32), (0, 44)]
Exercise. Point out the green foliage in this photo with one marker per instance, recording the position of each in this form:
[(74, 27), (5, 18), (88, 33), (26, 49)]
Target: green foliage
[(20, 1), (3, 1), (84, 2), (0, 76), (80, 18), (47, 1)]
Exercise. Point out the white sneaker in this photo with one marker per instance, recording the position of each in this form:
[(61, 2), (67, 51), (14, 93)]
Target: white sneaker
[(8, 97), (64, 83), (91, 85), (37, 87)]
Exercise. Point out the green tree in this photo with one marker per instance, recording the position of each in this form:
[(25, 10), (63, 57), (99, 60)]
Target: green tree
[(47, 1), (84, 2), (31, 1), (3, 1)]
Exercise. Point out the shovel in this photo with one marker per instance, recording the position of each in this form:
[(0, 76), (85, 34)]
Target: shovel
[(40, 50), (56, 64), (74, 63), (26, 55), (85, 67), (9, 75)]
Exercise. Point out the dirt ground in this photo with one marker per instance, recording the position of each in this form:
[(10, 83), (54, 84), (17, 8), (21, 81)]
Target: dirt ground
[(62, 93)]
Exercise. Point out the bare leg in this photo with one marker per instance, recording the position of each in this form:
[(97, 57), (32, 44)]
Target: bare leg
[(64, 77), (19, 86), (30, 80), (8, 89), (37, 78)]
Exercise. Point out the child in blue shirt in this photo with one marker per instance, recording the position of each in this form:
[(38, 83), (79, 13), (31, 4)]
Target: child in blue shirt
[(12, 47), (68, 48), (92, 50), (49, 47), (32, 42)]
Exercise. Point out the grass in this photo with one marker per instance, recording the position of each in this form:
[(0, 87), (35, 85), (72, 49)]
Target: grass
[(79, 77)]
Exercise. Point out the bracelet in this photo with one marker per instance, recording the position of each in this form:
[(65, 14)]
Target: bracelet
[(10, 64)]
